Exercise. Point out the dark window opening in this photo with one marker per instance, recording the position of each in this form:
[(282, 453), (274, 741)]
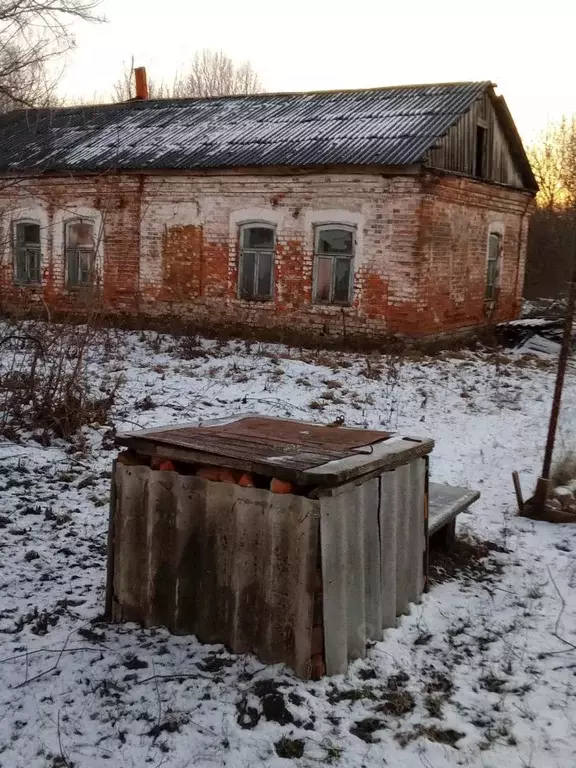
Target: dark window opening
[(480, 159), (80, 253), (256, 263), (27, 255), (494, 249), (334, 265)]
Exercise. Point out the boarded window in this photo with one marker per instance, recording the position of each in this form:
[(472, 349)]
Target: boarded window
[(333, 265), (494, 248), (80, 253), (256, 263), (27, 253)]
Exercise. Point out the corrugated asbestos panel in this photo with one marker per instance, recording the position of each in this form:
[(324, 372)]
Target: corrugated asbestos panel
[(350, 574), (387, 126), (373, 543), (231, 565), (402, 538), (389, 511), (412, 576)]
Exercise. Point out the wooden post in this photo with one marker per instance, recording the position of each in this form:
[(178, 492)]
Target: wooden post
[(518, 489), (566, 347)]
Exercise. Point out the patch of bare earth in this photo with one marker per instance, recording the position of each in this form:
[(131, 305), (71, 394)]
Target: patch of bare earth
[(469, 559)]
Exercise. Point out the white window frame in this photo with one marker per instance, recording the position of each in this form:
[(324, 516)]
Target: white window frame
[(69, 251), (318, 229), (491, 288), (242, 228), (16, 248)]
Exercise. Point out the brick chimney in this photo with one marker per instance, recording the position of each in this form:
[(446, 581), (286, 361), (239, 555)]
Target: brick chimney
[(141, 81)]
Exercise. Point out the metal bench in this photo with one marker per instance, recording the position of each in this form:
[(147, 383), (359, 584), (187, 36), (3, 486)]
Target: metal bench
[(445, 503)]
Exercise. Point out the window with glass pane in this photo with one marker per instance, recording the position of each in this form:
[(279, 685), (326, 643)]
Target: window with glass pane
[(80, 255), (494, 247), (256, 263), (27, 254), (334, 265)]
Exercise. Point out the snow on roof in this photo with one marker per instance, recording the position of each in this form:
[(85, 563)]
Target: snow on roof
[(380, 126)]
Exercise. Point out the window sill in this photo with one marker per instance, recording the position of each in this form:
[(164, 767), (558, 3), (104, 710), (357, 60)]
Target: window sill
[(75, 288), (23, 284), (333, 304), (256, 299)]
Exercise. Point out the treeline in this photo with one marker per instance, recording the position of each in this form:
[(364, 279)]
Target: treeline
[(552, 239)]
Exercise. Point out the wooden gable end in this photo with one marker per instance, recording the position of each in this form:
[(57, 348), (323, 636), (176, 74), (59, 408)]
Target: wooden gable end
[(479, 146)]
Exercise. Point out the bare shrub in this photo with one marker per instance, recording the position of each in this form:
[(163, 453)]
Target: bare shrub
[(34, 36), (44, 379), (564, 470), (372, 368), (390, 374), (208, 74), (190, 348), (332, 384)]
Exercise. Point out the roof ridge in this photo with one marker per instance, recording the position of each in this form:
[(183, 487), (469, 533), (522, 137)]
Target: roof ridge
[(183, 101)]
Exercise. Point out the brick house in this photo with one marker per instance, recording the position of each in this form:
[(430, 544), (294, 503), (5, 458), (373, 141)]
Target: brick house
[(355, 213)]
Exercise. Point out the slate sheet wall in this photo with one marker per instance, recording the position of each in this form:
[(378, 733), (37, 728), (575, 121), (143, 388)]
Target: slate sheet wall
[(238, 565)]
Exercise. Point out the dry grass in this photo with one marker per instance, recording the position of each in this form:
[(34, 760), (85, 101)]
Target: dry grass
[(564, 470), (397, 703), (469, 558), (45, 384)]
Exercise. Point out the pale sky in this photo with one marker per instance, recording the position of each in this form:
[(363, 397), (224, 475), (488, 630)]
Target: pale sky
[(526, 47)]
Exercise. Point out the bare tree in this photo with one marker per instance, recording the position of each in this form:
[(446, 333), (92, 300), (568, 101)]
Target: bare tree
[(210, 73), (553, 159), (551, 240), (33, 34)]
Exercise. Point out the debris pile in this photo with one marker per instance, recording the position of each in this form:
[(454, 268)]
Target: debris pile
[(560, 506), (564, 498), (536, 335)]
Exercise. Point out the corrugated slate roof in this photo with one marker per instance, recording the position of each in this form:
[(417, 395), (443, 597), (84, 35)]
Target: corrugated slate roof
[(384, 126)]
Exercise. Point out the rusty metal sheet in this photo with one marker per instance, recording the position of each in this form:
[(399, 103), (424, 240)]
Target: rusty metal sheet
[(231, 565), (267, 441), (301, 433)]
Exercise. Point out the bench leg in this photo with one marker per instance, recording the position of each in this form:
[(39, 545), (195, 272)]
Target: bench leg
[(445, 537), (450, 535)]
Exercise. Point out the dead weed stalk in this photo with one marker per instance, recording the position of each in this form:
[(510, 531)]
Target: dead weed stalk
[(44, 379)]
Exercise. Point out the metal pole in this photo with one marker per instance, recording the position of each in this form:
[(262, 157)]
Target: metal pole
[(565, 350)]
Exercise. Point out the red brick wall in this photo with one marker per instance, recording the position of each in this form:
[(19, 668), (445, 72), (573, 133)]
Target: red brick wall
[(170, 247), (449, 260), (114, 205), (456, 216)]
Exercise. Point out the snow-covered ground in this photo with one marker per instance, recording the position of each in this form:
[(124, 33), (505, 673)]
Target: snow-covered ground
[(482, 673)]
